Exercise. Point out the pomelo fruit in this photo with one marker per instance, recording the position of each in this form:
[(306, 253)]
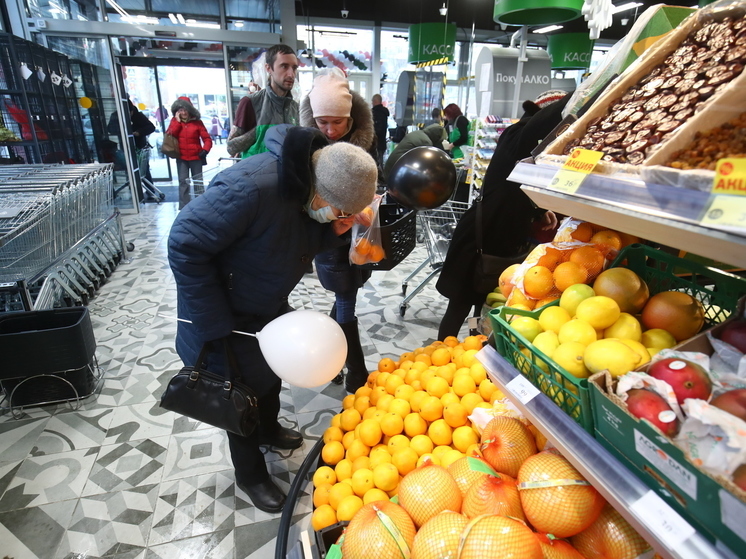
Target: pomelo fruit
[(506, 443), (439, 536), (610, 536), (463, 475), (552, 548), (369, 533), (679, 314), (428, 490), (561, 510), (498, 537), (625, 287), (493, 495)]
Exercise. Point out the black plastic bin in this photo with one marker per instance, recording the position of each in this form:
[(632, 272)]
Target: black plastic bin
[(398, 235)]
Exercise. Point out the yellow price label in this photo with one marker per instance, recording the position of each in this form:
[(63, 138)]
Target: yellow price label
[(578, 166), (730, 177), (726, 211)]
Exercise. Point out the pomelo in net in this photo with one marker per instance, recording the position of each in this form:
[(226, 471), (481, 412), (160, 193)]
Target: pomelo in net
[(553, 548), (462, 473), (611, 537), (506, 443), (380, 530), (553, 504), (439, 536), (498, 537), (428, 490), (493, 495)]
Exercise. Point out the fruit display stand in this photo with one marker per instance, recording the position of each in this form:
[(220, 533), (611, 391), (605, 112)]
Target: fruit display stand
[(669, 534)]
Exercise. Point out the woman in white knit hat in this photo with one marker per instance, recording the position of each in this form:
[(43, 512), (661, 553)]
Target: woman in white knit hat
[(343, 116)]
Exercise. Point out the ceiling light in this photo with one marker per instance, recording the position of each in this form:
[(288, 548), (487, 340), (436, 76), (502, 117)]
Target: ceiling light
[(443, 10), (181, 19), (206, 24), (625, 7), (238, 23), (173, 19), (547, 29)]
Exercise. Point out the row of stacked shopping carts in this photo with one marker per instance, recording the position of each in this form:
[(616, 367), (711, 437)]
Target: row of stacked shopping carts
[(60, 236)]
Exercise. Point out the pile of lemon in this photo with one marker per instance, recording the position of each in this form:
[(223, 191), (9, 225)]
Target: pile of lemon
[(410, 410)]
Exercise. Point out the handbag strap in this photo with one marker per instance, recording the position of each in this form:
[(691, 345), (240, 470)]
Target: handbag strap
[(478, 229), (230, 358)]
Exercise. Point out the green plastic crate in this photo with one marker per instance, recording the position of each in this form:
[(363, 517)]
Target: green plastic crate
[(718, 292)]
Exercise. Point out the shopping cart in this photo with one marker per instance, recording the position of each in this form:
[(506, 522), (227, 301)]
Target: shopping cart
[(149, 189), (198, 183), (436, 228)]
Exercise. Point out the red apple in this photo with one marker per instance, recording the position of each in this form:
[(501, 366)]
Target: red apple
[(734, 333), (733, 401), (739, 476), (687, 379), (646, 404)]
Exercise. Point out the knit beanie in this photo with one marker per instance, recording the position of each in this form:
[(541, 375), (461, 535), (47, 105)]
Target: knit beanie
[(548, 97), (330, 96), (346, 176)]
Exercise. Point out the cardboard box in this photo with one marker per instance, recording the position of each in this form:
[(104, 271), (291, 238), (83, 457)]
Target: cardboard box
[(714, 504)]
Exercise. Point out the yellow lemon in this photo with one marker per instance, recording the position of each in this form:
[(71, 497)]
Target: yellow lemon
[(547, 342), (455, 415), (653, 351), (404, 392), (527, 327), (432, 408), (362, 481), (577, 331), (569, 356), (626, 327), (343, 469), (332, 452), (421, 444), (333, 434), (322, 517), (397, 442), (478, 372), (640, 349), (338, 492), (613, 355), (657, 337), (464, 437), (392, 424), (321, 495), (551, 319), (463, 385), (348, 507), (375, 494), (357, 449), (599, 311), (405, 460), (386, 476), (324, 474), (574, 295), (470, 401), (414, 425), (440, 432), (399, 407), (450, 457)]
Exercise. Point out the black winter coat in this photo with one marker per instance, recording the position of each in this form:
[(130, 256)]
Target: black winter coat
[(507, 213), (238, 250)]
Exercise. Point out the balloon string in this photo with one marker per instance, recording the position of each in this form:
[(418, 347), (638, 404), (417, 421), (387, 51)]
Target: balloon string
[(190, 322)]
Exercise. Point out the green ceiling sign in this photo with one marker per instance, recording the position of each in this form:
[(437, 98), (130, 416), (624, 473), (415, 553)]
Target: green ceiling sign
[(431, 41), (536, 12), (570, 51)]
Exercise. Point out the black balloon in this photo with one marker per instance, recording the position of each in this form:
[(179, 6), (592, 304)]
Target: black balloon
[(423, 178)]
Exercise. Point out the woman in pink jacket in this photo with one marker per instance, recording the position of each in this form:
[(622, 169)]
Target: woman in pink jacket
[(194, 144)]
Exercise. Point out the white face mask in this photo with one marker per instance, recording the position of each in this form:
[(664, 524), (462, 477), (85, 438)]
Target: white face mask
[(322, 215)]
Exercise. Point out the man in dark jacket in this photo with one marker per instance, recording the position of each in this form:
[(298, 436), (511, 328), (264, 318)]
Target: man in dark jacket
[(380, 124), (238, 251)]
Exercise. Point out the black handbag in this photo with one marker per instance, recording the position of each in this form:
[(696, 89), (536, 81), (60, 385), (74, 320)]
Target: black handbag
[(488, 267), (224, 403)]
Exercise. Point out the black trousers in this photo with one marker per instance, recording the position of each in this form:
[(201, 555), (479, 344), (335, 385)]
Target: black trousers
[(247, 459)]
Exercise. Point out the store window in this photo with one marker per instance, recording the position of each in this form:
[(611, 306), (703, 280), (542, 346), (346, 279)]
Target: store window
[(245, 68), (195, 7), (84, 10)]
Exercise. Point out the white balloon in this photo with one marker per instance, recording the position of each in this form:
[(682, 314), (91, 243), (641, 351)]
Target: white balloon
[(304, 348)]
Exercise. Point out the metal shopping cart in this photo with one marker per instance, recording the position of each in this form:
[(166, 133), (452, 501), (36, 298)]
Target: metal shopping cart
[(436, 228), (149, 189), (198, 183)]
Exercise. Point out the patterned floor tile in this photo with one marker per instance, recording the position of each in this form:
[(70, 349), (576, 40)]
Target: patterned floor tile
[(127, 465), (20, 530), (199, 452), (112, 523), (17, 437), (217, 545), (140, 421), (71, 431)]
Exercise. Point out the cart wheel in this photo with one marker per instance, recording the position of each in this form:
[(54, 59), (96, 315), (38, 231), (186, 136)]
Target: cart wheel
[(130, 247), (404, 289), (161, 196), (403, 309)]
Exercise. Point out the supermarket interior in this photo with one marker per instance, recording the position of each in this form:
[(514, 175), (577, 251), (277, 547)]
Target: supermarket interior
[(544, 355)]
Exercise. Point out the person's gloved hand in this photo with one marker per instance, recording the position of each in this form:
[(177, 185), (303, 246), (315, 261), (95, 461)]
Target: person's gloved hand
[(202, 154), (448, 146)]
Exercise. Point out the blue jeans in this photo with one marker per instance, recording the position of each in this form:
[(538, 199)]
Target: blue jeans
[(345, 306)]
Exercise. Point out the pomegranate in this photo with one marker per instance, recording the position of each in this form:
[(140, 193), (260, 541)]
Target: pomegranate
[(734, 333), (439, 536), (428, 490), (687, 379), (493, 495), (506, 443), (733, 401), (649, 405)]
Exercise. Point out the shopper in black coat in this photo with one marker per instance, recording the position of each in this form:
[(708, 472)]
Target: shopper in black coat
[(507, 216)]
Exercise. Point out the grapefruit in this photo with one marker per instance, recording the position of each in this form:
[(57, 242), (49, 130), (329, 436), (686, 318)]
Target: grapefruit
[(439, 536), (428, 490), (493, 495), (506, 443), (610, 536), (679, 314), (380, 529), (557, 506), (463, 475), (498, 537), (552, 548), (625, 287)]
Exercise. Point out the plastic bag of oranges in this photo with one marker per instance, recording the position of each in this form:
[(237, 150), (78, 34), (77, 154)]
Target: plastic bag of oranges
[(366, 236)]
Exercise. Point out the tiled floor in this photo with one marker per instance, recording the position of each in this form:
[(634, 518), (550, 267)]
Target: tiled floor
[(122, 478)]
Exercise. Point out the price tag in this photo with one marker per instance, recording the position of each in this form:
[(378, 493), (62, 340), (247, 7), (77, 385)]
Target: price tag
[(727, 206), (521, 388), (577, 167), (662, 520), (730, 177)]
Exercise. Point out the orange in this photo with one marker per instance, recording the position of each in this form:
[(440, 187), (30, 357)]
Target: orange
[(545, 301), (357, 258), (392, 424), (336, 420), (348, 401), (363, 391), (322, 517), (362, 481), (386, 365), (416, 399), (414, 425), (538, 282), (583, 232), (382, 378), (478, 372), (347, 439), (455, 415), (470, 401), (437, 386), (357, 449), (607, 240), (441, 356), (362, 246), (382, 457), (332, 452), (333, 434), (350, 419), (432, 408), (405, 460), (362, 404), (376, 253), (384, 402), (569, 273), (464, 437), (464, 384), (549, 261), (397, 442), (348, 507), (423, 358), (386, 477), (376, 393), (472, 342), (451, 341), (321, 495), (375, 494), (338, 492), (487, 388), (370, 432), (449, 398), (518, 298), (589, 258), (393, 382), (440, 432), (361, 463), (324, 474), (421, 444), (343, 469)]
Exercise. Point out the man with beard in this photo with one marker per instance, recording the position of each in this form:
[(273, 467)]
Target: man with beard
[(273, 105)]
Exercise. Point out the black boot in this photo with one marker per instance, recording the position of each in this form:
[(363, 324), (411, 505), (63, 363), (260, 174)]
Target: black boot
[(357, 373), (340, 378)]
